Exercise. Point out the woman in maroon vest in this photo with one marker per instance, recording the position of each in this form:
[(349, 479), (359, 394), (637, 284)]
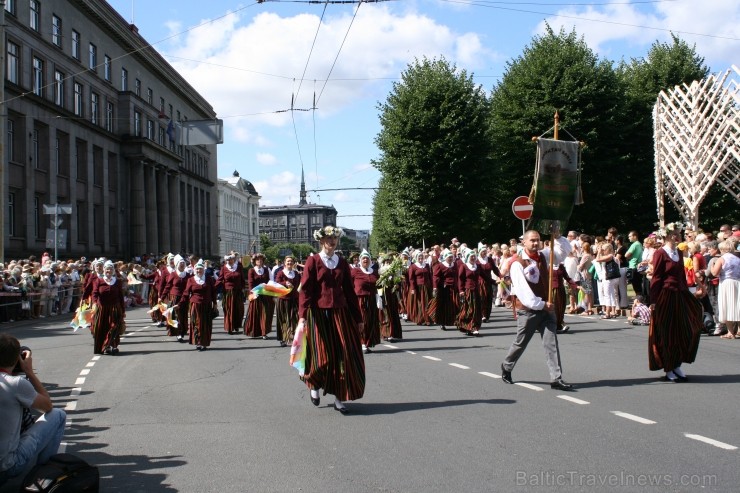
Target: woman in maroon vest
[(200, 296), (261, 308), (232, 280), (445, 290), (469, 316), (364, 279), (485, 280), (420, 290), (173, 290), (108, 318), (287, 306), (329, 309)]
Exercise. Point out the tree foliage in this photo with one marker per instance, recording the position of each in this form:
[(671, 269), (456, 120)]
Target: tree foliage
[(434, 161)]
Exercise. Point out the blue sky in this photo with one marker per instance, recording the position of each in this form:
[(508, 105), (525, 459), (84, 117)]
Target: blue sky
[(251, 59)]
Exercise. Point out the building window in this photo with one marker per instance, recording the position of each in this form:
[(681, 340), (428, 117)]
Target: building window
[(137, 87), (10, 6), (35, 149), (38, 76), (94, 107), (58, 88), (137, 124), (35, 14), (56, 30), (161, 137), (149, 95), (124, 79), (78, 101), (161, 105), (75, 44), (93, 57), (150, 130), (109, 116), (107, 69), (11, 214), (13, 62)]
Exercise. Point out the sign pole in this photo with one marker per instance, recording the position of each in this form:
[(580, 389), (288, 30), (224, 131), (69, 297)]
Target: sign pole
[(552, 230), (523, 230)]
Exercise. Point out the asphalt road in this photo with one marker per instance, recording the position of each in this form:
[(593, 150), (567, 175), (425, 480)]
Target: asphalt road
[(162, 417)]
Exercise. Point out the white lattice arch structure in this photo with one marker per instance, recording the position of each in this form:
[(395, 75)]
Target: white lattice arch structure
[(697, 139)]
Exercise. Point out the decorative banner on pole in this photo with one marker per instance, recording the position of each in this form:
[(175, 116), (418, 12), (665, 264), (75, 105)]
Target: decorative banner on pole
[(555, 183)]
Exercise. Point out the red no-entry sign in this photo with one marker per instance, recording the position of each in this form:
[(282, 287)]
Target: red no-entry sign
[(521, 208)]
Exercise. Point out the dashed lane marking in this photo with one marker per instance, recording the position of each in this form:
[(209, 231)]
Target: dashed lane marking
[(573, 399), (486, 374), (462, 367), (90, 364), (80, 381), (432, 358), (390, 346), (710, 441), (529, 386), (96, 358), (71, 406), (410, 352), (632, 417), (84, 372)]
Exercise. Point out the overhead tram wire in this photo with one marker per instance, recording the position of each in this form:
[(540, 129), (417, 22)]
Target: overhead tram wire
[(340, 49)]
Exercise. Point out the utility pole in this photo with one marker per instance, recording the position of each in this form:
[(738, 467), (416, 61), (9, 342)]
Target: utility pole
[(3, 115)]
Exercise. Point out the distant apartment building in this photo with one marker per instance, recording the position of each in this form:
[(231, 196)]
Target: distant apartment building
[(91, 112), (238, 216)]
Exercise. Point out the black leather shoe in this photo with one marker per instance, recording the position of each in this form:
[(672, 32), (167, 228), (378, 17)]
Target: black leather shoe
[(559, 384), (342, 410), (506, 375), (315, 401)]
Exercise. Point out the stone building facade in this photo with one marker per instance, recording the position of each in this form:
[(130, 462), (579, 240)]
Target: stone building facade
[(238, 216)]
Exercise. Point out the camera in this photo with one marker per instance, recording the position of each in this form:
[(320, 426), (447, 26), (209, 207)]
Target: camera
[(23, 351)]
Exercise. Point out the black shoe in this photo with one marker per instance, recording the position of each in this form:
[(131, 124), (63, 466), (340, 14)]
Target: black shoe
[(114, 351), (198, 348), (315, 401), (443, 327), (264, 338), (342, 410), (559, 384), (203, 348), (283, 344), (506, 376), (108, 350)]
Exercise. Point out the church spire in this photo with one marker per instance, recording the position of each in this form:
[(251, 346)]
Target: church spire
[(303, 189)]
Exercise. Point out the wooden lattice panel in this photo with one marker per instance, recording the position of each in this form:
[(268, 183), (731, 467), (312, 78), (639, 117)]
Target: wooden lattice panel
[(697, 133)]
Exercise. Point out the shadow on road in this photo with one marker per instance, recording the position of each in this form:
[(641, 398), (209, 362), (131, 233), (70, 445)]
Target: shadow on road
[(402, 407)]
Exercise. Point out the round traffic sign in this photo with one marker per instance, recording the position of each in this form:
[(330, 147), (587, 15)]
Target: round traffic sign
[(521, 208)]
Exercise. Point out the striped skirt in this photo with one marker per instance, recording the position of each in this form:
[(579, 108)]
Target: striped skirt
[(181, 315), (334, 360), (674, 330), (558, 299), (419, 305), (401, 295), (469, 316), (370, 335), (107, 326), (233, 306), (200, 323), (486, 298), (153, 299), (286, 318), (390, 322), (446, 306), (259, 316)]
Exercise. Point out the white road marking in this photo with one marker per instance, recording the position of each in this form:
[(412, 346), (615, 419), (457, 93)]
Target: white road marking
[(71, 406), (75, 392), (96, 358), (62, 448), (80, 381), (390, 346), (710, 441), (86, 371), (432, 358), (410, 352), (462, 367), (632, 417), (529, 386), (573, 399), (486, 374), (90, 364)]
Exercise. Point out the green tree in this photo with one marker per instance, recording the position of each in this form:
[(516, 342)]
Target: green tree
[(265, 241), (434, 162), (557, 71)]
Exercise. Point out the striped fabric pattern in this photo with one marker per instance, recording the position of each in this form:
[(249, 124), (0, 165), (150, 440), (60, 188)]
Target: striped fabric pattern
[(107, 326), (469, 316), (390, 322), (446, 306), (287, 318), (259, 316), (419, 305), (233, 306), (334, 360), (674, 330), (181, 315), (200, 324), (370, 335), (486, 298)]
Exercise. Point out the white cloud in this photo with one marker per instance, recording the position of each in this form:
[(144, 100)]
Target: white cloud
[(341, 197), (279, 189), (362, 167), (266, 159), (637, 26), (251, 70)]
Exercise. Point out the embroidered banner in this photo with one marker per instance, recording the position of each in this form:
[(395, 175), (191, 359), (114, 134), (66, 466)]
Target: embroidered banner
[(555, 185)]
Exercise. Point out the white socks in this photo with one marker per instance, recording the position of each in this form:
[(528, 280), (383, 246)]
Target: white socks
[(679, 372), (338, 404), (314, 394)]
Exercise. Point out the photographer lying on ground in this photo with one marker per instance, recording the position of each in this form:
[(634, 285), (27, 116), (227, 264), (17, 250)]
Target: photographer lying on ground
[(20, 448)]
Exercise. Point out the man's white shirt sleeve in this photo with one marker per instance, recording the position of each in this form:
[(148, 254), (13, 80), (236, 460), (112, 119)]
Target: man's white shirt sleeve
[(522, 290)]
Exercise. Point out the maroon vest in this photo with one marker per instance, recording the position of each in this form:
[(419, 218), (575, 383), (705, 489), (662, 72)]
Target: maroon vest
[(539, 289)]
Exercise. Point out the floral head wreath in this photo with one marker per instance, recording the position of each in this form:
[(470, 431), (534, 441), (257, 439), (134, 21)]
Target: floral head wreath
[(332, 231), (670, 228)]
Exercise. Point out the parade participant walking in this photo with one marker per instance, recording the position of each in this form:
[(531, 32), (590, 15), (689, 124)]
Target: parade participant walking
[(389, 280), (329, 309), (232, 302), (21, 447), (677, 314), (420, 290), (108, 312), (445, 290), (172, 292), (261, 308), (364, 279), (469, 315), (155, 280), (287, 306), (485, 281), (530, 285), (200, 296)]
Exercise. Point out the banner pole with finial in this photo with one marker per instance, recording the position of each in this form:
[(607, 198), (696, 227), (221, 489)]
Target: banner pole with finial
[(552, 230)]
